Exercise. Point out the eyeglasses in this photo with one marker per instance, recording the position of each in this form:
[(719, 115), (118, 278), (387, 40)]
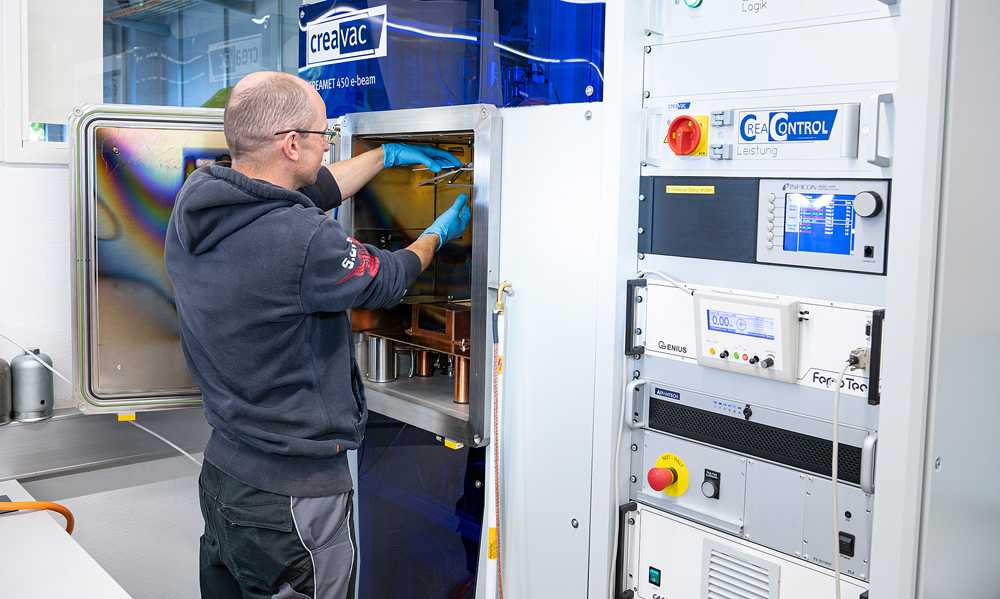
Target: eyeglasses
[(329, 134)]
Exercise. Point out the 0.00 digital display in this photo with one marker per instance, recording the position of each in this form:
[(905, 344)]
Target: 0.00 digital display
[(748, 325)]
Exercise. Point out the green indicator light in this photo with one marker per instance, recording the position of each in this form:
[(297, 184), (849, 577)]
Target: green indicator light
[(692, 3), (654, 576)]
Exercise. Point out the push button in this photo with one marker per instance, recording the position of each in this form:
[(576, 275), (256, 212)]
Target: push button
[(846, 544), (654, 576), (661, 478)]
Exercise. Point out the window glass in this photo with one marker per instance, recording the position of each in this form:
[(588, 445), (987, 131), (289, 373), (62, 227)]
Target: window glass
[(191, 52)]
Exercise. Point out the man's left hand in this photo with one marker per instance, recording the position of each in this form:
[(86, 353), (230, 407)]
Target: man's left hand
[(433, 158)]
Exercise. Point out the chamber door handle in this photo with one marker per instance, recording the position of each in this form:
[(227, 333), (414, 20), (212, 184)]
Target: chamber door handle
[(868, 448), (874, 157)]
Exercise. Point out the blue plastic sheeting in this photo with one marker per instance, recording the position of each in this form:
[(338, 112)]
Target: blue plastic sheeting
[(393, 54), (420, 514)]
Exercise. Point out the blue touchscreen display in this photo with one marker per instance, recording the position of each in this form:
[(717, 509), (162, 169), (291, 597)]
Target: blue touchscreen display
[(819, 223)]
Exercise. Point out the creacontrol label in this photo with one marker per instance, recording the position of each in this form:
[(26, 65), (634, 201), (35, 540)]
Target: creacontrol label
[(803, 132), (345, 37), (786, 126), (692, 189)]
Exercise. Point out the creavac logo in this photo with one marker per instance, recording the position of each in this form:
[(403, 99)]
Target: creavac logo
[(345, 37)]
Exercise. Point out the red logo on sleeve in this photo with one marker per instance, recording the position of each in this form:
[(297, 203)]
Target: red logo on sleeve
[(358, 261)]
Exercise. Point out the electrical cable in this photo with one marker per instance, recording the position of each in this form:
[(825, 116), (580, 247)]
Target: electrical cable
[(623, 423), (41, 505), (37, 359), (498, 312), (167, 441), (673, 281), (627, 396), (852, 360), (133, 423)]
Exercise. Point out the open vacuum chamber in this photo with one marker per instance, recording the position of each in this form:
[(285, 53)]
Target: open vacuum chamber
[(427, 362)]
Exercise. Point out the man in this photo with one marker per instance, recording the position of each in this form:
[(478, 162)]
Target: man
[(262, 278)]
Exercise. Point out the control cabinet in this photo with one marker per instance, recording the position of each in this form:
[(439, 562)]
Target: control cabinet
[(765, 205)]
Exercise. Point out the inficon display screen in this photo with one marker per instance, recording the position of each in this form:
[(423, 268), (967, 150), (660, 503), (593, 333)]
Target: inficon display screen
[(749, 325), (819, 223)]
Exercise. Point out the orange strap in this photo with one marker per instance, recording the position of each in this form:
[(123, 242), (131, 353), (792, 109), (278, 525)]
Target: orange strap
[(40, 505)]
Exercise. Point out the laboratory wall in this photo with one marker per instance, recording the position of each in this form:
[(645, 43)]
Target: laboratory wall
[(35, 277)]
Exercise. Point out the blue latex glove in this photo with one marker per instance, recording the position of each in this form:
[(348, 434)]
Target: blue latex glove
[(452, 222), (405, 154)]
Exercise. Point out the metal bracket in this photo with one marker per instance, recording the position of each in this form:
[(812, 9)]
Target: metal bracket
[(623, 511), (632, 345)]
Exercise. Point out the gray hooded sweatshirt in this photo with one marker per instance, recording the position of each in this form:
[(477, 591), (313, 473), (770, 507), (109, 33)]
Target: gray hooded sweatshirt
[(262, 279)]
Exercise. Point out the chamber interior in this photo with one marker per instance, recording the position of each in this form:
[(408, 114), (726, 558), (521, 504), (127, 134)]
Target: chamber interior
[(429, 334)]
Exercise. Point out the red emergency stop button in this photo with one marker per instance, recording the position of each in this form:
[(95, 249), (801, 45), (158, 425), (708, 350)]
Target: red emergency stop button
[(661, 478), (684, 135)]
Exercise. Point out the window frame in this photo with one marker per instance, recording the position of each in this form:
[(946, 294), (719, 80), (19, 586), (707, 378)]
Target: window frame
[(16, 146)]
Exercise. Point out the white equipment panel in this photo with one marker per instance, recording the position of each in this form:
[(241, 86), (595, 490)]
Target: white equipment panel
[(670, 557), (839, 225), (748, 334), (841, 131), (692, 19), (827, 333)]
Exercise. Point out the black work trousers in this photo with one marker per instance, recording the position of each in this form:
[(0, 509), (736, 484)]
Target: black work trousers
[(260, 545)]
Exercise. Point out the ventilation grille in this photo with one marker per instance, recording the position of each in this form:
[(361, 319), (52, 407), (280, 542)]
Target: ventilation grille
[(753, 438), (732, 575)]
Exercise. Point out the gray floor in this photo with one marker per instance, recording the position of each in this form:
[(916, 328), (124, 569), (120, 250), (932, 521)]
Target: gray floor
[(141, 522)]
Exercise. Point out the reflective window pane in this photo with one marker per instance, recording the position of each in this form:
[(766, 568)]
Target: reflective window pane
[(191, 52)]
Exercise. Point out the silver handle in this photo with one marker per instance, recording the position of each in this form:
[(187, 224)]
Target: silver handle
[(868, 463), (629, 398), (874, 157), (651, 118)]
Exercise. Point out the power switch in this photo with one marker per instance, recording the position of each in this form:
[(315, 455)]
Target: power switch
[(712, 484), (846, 544)]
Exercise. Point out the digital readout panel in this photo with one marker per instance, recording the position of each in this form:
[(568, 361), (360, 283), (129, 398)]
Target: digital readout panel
[(819, 223), (749, 325)]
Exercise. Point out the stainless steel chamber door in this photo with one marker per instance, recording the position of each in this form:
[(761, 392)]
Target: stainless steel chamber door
[(443, 329), (127, 164)]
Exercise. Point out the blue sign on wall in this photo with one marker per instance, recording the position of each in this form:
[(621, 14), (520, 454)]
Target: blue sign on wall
[(390, 54)]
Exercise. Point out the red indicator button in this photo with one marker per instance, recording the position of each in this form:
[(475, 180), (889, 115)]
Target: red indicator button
[(661, 478), (684, 135), (747, 357)]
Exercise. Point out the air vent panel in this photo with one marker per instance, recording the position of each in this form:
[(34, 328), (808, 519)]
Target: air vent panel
[(730, 574)]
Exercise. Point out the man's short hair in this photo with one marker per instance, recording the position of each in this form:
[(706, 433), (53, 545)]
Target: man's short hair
[(257, 110)]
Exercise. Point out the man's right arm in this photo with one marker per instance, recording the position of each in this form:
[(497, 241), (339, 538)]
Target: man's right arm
[(340, 273)]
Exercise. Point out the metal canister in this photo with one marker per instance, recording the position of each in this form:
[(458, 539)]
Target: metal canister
[(32, 390), (361, 352), (382, 365), (424, 364), (5, 405), (461, 380)]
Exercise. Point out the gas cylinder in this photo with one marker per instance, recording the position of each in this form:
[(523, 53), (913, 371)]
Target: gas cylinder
[(32, 388), (5, 406)]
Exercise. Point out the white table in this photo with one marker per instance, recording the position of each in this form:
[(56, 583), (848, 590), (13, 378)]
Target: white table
[(41, 561)]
